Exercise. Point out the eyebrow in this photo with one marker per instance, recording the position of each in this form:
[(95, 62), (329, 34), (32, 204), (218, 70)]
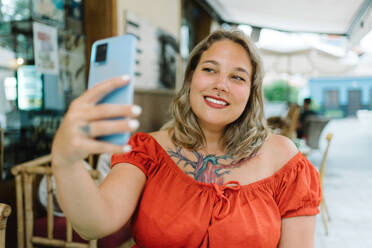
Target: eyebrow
[(236, 68)]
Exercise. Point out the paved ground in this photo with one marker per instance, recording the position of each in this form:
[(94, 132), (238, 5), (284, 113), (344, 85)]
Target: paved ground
[(348, 186)]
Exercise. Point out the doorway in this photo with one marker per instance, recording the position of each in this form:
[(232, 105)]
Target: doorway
[(354, 102)]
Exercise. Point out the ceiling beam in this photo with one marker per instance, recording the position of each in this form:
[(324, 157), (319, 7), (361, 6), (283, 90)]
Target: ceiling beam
[(361, 25), (358, 18)]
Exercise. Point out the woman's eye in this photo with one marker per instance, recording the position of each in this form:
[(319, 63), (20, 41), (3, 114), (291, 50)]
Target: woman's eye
[(238, 78), (208, 69)]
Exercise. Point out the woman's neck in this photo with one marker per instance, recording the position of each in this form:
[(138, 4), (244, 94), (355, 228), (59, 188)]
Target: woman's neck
[(213, 141)]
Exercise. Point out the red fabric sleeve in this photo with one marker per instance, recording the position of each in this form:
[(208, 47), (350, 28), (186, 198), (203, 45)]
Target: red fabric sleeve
[(142, 155), (299, 191)]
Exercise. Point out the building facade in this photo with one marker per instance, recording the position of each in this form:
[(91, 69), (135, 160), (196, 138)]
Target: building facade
[(341, 96)]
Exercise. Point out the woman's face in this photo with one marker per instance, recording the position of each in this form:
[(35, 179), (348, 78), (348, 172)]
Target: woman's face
[(220, 85)]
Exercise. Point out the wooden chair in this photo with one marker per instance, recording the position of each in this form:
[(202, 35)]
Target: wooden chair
[(288, 124), (5, 211), (292, 117), (323, 206), (25, 176)]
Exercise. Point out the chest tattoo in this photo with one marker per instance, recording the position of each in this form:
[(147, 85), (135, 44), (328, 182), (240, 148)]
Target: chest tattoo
[(209, 168)]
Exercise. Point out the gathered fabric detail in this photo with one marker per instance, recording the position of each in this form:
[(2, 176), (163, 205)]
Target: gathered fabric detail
[(222, 203), (298, 191)]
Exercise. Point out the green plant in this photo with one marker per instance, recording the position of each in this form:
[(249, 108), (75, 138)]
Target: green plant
[(281, 91)]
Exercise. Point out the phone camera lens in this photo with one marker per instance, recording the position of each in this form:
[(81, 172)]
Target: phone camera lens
[(101, 53)]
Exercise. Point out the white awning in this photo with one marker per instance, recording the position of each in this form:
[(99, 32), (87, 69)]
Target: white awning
[(352, 18)]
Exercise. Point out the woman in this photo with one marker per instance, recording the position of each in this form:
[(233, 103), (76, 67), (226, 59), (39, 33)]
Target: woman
[(213, 177)]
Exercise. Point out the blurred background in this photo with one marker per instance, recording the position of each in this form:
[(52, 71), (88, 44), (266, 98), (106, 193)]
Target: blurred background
[(317, 57)]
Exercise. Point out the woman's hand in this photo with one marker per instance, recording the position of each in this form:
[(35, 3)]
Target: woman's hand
[(85, 120)]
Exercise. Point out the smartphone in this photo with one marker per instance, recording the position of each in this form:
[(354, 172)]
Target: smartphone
[(114, 57)]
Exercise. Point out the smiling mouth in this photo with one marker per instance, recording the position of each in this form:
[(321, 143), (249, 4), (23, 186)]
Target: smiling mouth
[(215, 101)]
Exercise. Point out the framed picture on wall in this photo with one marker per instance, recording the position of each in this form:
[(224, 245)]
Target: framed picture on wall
[(168, 54), (46, 48)]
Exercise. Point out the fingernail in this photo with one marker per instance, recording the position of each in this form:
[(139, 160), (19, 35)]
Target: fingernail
[(127, 148), (136, 110), (125, 77), (133, 124)]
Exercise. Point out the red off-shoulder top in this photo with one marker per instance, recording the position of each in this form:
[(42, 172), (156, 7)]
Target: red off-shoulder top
[(177, 211)]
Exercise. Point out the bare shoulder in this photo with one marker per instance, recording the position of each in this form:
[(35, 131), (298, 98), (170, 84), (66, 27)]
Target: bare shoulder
[(280, 150), (162, 137), (282, 144), (160, 134)]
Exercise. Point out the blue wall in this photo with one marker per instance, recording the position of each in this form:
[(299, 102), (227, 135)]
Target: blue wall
[(342, 84)]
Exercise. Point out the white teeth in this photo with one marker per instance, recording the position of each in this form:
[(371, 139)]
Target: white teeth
[(216, 101)]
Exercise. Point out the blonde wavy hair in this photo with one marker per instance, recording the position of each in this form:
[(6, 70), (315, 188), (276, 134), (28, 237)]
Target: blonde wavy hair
[(242, 138)]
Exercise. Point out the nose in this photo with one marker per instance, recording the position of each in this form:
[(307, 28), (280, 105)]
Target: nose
[(222, 83)]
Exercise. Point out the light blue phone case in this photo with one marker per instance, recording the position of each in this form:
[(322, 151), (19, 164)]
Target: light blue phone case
[(120, 60)]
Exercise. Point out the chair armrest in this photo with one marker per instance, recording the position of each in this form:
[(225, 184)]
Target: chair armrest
[(5, 211), (32, 163)]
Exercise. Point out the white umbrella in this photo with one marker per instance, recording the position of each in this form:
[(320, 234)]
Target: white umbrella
[(307, 61)]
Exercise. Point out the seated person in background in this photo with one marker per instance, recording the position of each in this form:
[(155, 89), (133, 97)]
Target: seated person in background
[(306, 112), (214, 176)]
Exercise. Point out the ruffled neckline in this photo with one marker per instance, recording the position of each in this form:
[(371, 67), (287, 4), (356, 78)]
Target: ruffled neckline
[(279, 173)]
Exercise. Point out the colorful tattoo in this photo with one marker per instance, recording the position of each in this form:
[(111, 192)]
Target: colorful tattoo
[(206, 169)]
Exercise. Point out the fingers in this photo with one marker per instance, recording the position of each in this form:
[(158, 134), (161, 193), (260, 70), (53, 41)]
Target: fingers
[(105, 111), (98, 147), (107, 127), (97, 92), (86, 120)]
